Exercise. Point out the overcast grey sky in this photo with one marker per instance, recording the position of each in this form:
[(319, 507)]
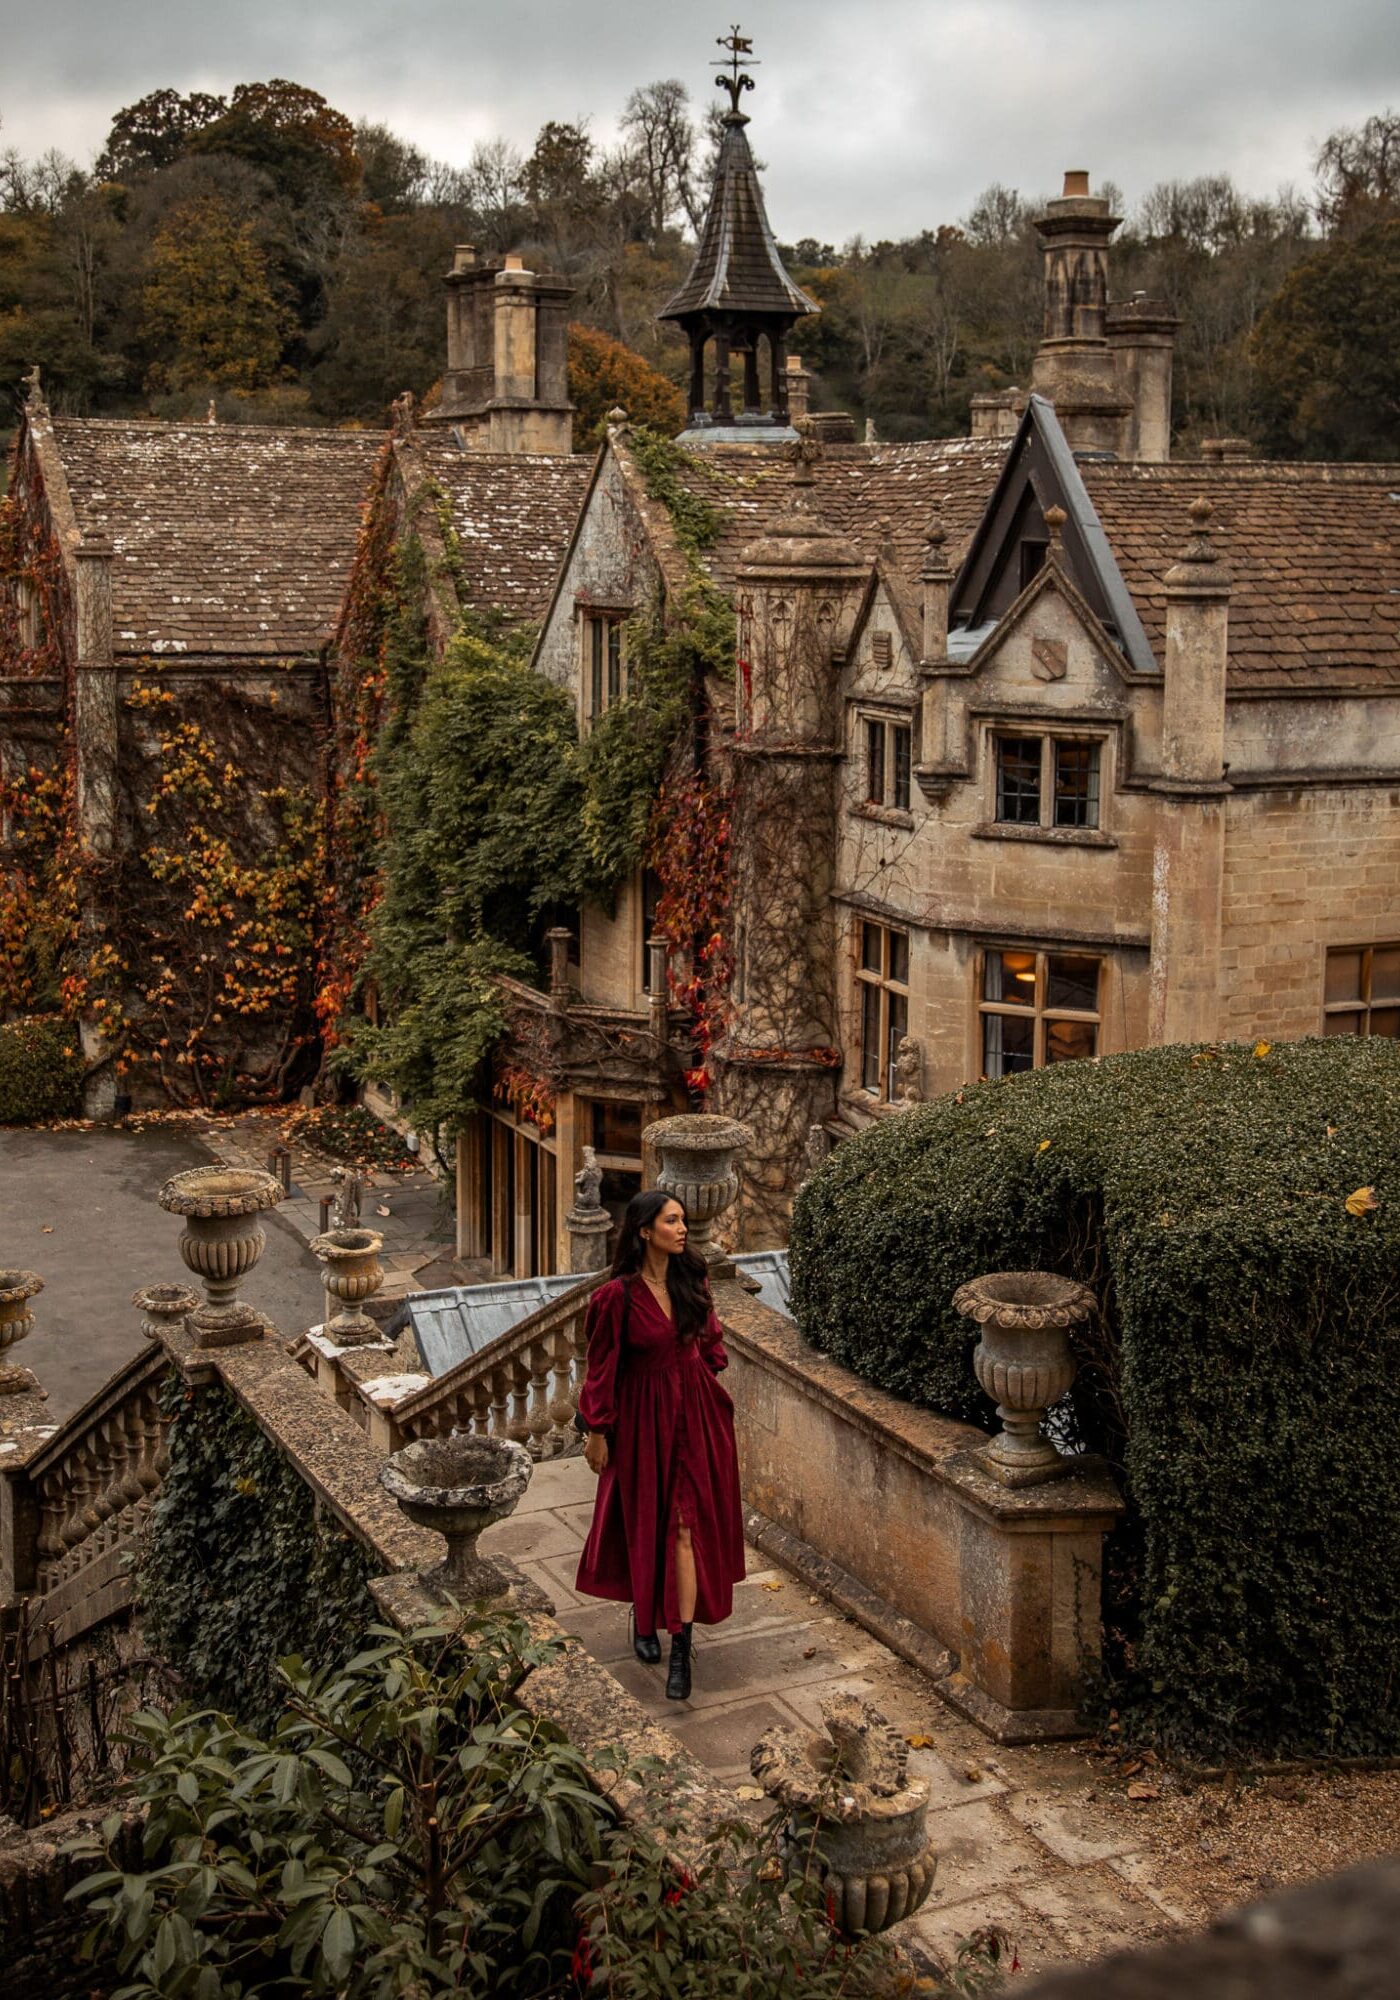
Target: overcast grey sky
[(879, 120)]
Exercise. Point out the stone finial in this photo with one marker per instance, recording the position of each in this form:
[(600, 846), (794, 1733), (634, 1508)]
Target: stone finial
[(908, 1071), (816, 1152), (805, 453), (402, 414), (345, 1209), (588, 1184), (1055, 518), (34, 401), (617, 415), (211, 415), (1198, 567), (935, 566), (872, 436)]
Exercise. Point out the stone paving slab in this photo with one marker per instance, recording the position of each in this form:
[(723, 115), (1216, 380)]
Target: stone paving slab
[(1022, 1841)]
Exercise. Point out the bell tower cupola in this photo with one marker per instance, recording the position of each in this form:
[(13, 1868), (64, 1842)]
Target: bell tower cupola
[(738, 301)]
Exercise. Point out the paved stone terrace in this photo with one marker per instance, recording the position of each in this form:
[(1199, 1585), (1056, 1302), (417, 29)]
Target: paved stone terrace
[(1023, 1840)]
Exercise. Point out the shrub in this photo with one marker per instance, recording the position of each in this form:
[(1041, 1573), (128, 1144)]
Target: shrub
[(348, 1132), (41, 1070), (1245, 1377)]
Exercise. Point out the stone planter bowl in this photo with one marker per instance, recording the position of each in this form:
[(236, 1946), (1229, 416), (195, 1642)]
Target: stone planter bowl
[(221, 1241), (458, 1486), (351, 1273), (1024, 1363), (698, 1156), (17, 1288), (163, 1308)]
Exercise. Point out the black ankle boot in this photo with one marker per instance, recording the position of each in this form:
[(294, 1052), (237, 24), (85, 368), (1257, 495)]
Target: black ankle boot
[(678, 1672), (645, 1645)]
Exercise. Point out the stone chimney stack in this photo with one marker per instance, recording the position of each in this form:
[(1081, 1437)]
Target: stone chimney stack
[(506, 387), (1188, 862), (997, 412), (1227, 451), (1074, 364), (1142, 335), (799, 389)]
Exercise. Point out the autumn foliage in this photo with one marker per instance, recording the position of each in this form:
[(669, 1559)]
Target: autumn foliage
[(604, 375)]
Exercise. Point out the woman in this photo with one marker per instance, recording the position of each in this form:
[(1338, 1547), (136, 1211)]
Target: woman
[(667, 1531)]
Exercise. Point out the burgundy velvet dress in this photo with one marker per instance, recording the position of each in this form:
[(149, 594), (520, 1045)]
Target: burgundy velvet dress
[(672, 1461)]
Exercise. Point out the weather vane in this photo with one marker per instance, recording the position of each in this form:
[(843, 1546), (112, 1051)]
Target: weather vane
[(736, 84)]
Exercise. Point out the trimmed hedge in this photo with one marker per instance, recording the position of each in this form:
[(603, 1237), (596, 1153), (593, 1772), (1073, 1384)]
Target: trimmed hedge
[(1245, 1378), (41, 1070)]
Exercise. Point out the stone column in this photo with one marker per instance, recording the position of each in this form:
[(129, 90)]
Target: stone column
[(559, 940), (936, 578), (1189, 857), (1074, 366), (658, 997), (1142, 337), (95, 699)]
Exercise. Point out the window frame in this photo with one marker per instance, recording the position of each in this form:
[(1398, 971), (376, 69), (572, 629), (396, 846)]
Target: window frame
[(1040, 1013), (894, 793), (1049, 792), (603, 667), (1365, 1004), (890, 998)]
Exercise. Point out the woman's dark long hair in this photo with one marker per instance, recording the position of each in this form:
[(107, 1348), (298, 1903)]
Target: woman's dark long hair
[(686, 1280)]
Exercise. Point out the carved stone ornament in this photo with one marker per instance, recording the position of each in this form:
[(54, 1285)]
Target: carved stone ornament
[(17, 1288), (163, 1308), (345, 1207), (699, 1154), (1049, 659), (908, 1071), (588, 1184), (351, 1273), (221, 1243), (856, 1819), (1023, 1362), (817, 1150)]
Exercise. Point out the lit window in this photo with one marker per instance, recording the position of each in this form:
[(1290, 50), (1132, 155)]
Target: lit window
[(1361, 994), (1036, 773), (888, 763), (883, 985), (1037, 1007)]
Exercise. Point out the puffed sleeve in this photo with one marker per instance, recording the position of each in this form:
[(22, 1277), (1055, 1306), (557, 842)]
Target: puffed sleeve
[(597, 1403), (712, 1343)]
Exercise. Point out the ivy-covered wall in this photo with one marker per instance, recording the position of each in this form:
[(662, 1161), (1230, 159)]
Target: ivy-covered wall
[(241, 1567)]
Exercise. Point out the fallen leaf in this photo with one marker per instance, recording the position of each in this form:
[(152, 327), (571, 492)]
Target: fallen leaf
[(1262, 1048), (1043, 1146), (1142, 1791), (809, 1652), (774, 1585), (1361, 1201), (919, 1742), (974, 1774), (1131, 1769), (748, 1792), (380, 1209), (46, 1229)]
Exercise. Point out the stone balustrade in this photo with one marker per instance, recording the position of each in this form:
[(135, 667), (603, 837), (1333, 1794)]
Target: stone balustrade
[(523, 1386)]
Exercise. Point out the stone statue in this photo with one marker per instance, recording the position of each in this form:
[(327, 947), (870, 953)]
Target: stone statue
[(908, 1072), (588, 1184), (345, 1209), (816, 1150)]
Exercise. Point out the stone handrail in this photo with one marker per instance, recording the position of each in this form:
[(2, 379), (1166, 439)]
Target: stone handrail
[(524, 1385), (94, 1483)]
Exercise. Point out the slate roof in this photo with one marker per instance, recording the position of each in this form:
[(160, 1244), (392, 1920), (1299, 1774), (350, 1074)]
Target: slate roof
[(230, 539), (513, 516), (1313, 551), (883, 497), (737, 268)]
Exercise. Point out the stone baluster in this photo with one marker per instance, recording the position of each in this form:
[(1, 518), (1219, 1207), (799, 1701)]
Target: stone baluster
[(541, 1423), (480, 1393), (519, 1427), (500, 1400), (134, 1427), (52, 1507), (147, 1474), (564, 1401)]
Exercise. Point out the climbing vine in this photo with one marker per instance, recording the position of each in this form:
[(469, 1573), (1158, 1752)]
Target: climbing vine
[(240, 1566)]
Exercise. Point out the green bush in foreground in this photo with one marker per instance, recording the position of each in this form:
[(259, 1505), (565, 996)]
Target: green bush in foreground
[(1245, 1379), (41, 1070), (407, 1829)]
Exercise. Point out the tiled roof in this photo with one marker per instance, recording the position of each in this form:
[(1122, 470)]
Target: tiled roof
[(513, 516), (737, 268), (230, 539), (1313, 552), (883, 497)]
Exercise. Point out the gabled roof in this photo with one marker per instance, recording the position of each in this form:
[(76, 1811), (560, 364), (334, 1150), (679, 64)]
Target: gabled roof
[(1313, 552), (513, 515), (229, 539), (737, 268)]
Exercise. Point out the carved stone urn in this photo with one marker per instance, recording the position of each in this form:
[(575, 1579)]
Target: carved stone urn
[(17, 1288), (698, 1155), (855, 1818), (163, 1308), (351, 1273), (1023, 1362), (221, 1243), (458, 1486)]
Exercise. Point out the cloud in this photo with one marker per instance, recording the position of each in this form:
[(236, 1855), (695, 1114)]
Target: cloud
[(879, 122)]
